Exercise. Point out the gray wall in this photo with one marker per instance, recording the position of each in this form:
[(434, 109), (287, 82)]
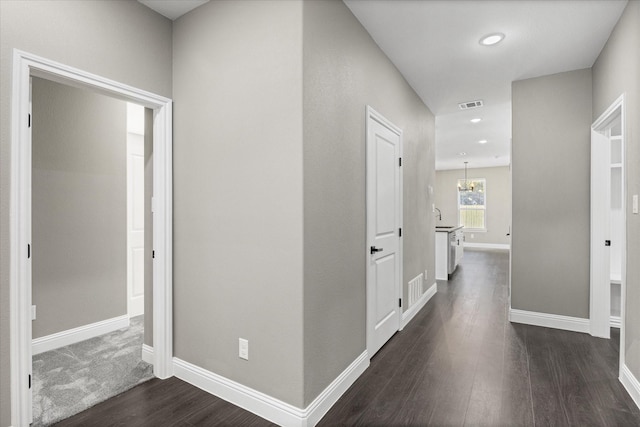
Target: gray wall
[(498, 200), (122, 40), (238, 192), (617, 71), (550, 177), (344, 70), (148, 227), (79, 201)]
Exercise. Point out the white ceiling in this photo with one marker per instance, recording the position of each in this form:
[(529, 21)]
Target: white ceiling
[(435, 46), (173, 9)]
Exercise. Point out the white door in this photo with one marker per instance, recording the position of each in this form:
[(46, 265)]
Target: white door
[(600, 306), (135, 211), (384, 220)]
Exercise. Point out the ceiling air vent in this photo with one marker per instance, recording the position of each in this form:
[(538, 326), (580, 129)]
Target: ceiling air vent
[(470, 104)]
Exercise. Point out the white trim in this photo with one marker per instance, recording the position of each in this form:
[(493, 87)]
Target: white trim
[(604, 119), (317, 409), (163, 240), (631, 383), (623, 243), (599, 264), (408, 315), (484, 208), (556, 321), (501, 246), (20, 237), (615, 322), (81, 333), (147, 353), (268, 407), (599, 296), (26, 65)]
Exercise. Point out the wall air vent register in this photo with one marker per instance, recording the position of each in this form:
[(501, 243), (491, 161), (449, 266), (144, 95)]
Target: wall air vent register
[(470, 104)]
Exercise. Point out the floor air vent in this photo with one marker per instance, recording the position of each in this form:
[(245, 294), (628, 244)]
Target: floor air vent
[(470, 104), (415, 289)]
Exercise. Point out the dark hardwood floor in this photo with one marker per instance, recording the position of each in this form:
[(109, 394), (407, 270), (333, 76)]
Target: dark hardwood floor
[(459, 362)]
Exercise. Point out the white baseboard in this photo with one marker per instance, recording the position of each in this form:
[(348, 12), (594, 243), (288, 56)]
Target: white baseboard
[(615, 322), (147, 354), (556, 321), (502, 246), (631, 383), (415, 308), (330, 395), (268, 407), (82, 333)]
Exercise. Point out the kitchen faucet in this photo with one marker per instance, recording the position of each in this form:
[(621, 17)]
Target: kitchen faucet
[(439, 214)]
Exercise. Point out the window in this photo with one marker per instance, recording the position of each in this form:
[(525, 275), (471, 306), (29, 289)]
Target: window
[(472, 206)]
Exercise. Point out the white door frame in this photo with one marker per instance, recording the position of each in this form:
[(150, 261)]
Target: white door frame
[(373, 115), (135, 305), (26, 65), (598, 313)]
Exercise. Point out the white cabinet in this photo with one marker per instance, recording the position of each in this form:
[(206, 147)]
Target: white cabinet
[(442, 254), (459, 238), (449, 250)]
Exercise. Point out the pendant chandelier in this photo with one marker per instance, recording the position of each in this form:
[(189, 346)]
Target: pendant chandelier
[(467, 186)]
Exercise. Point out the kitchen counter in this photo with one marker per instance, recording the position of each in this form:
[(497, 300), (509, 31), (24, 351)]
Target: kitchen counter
[(449, 249), (447, 228)]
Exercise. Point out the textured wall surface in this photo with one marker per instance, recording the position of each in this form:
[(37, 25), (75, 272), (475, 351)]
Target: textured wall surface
[(238, 192), (136, 51), (79, 201), (344, 71), (550, 153), (616, 72)]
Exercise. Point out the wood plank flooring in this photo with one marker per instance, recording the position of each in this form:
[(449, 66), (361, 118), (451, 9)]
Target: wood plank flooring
[(458, 363)]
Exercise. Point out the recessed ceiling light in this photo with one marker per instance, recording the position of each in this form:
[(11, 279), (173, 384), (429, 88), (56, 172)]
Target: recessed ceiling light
[(462, 153), (476, 120), (491, 39), (482, 141)]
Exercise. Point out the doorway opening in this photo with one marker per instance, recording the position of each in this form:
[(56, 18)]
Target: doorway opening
[(88, 252), (25, 67), (608, 224)]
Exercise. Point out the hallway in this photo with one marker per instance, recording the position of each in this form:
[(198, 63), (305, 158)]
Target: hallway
[(459, 362)]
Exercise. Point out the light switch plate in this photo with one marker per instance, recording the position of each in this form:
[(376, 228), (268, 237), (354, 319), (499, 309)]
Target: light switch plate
[(243, 348), (635, 204)]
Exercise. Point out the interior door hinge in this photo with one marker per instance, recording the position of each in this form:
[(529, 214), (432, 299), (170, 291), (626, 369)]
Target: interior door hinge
[(399, 302), (400, 232), (29, 120), (29, 380), (400, 161), (28, 250), (153, 254)]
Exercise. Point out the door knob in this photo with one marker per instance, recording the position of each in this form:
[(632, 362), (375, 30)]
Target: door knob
[(374, 250)]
